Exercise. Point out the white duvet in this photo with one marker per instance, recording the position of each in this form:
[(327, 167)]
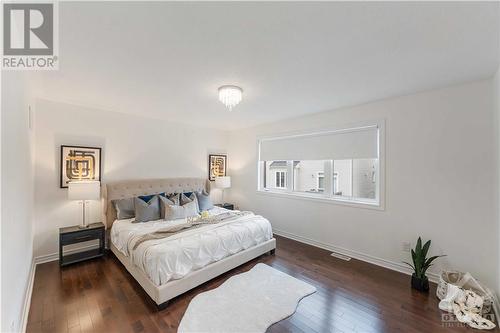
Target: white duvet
[(176, 256)]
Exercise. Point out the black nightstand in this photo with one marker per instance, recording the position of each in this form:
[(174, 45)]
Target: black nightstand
[(226, 205), (73, 235)]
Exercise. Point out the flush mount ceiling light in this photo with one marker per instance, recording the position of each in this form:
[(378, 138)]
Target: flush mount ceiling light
[(230, 96)]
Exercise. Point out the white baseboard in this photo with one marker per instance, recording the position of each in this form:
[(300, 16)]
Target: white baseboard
[(29, 290), (395, 266), (46, 258), (27, 297)]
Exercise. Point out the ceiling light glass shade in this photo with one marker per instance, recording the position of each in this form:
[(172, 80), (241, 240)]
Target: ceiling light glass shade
[(230, 96)]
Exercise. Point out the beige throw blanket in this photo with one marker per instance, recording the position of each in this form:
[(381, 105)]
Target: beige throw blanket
[(189, 225)]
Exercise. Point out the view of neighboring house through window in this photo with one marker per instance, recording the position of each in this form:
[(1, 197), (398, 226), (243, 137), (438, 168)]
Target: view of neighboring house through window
[(280, 179), (309, 176), (321, 181), (275, 175), (352, 177), (355, 178), (335, 182)]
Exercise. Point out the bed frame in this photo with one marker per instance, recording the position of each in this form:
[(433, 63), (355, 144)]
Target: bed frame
[(162, 294)]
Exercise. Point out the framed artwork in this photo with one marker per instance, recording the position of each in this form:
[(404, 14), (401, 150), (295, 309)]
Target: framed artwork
[(217, 165), (80, 163)]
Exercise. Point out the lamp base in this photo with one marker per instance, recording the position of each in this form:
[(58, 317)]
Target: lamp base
[(82, 226)]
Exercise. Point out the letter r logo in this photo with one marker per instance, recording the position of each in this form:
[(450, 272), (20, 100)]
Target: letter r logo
[(28, 29)]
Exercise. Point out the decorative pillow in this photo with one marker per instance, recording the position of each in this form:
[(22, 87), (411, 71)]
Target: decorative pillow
[(175, 198), (125, 208), (164, 202), (204, 201), (147, 211), (174, 212), (191, 208), (185, 199)]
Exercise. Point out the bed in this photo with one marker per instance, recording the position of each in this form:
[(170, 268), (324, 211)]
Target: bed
[(166, 268)]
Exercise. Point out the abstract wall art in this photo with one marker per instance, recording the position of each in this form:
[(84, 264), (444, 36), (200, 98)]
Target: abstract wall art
[(80, 163), (217, 165)]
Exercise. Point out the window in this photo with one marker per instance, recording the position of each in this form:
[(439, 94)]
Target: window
[(338, 165), (309, 176), (280, 179), (274, 175), (321, 182), (335, 182), (355, 179)]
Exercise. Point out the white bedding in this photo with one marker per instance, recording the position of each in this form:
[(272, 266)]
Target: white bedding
[(176, 256)]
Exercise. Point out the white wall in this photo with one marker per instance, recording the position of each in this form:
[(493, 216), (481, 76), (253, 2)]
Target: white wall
[(440, 181), (17, 199), (133, 147)]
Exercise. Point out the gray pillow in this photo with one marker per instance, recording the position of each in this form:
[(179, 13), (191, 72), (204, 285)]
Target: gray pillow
[(191, 208), (185, 199), (147, 211), (192, 198), (204, 201), (174, 212), (164, 202), (125, 208)]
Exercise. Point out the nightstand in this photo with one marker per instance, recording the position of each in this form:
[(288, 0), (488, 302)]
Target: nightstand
[(74, 235), (226, 205)]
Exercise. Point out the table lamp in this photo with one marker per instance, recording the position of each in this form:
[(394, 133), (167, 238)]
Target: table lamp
[(223, 183), (83, 191)]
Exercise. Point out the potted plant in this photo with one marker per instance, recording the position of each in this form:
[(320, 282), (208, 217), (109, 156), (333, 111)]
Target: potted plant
[(421, 263)]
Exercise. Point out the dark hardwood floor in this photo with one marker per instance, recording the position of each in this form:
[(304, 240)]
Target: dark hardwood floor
[(100, 296)]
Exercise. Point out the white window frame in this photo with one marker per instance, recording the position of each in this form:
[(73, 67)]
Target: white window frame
[(378, 203), (278, 179)]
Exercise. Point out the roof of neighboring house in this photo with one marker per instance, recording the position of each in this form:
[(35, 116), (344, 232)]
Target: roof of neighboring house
[(282, 164)]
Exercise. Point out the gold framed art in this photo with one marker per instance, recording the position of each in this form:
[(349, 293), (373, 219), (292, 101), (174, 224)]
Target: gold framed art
[(217, 166), (79, 163)]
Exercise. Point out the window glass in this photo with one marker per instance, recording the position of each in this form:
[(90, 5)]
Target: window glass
[(342, 171), (355, 178), (309, 176), (275, 175), (339, 165), (364, 183)]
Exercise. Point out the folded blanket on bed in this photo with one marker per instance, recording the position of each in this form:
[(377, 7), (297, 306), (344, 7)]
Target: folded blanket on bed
[(189, 225)]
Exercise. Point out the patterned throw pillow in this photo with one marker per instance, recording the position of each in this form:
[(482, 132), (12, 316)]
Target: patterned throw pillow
[(147, 211), (175, 198)]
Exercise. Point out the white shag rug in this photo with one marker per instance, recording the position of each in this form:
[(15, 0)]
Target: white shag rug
[(247, 302)]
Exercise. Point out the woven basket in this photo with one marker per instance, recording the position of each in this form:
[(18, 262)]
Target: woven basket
[(467, 282)]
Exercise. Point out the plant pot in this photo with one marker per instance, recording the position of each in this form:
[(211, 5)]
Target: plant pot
[(420, 284)]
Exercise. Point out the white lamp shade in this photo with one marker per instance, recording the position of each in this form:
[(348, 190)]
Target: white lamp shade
[(84, 190), (223, 182)]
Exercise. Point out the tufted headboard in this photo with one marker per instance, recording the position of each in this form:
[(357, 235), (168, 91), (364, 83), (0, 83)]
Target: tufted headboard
[(134, 188)]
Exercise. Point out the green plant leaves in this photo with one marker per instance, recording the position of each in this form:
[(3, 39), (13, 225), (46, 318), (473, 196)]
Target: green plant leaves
[(419, 257)]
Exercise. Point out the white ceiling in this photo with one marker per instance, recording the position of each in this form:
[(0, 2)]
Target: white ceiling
[(166, 60)]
